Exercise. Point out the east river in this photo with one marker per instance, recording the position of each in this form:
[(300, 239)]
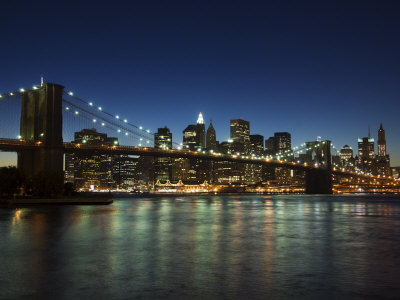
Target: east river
[(204, 247)]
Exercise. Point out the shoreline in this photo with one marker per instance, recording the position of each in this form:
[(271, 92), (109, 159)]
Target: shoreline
[(59, 201)]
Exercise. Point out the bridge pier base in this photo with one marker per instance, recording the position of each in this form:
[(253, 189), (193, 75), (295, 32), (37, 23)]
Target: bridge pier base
[(41, 122), (318, 181)]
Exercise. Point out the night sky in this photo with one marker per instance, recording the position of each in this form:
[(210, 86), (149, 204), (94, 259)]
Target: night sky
[(308, 67)]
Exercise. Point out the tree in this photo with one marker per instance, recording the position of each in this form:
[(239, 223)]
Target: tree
[(11, 179), (48, 183)]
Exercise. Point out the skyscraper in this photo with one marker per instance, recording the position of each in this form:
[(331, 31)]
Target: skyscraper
[(256, 149), (190, 137), (240, 131), (283, 141), (382, 160), (201, 131), (270, 146), (163, 138), (163, 165), (211, 138), (256, 144), (346, 152), (366, 154), (381, 142)]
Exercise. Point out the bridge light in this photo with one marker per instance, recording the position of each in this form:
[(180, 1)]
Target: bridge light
[(148, 130), (125, 121), (77, 112), (147, 142), (67, 108), (11, 94), (141, 139), (22, 90), (119, 130), (102, 124), (126, 133), (70, 93), (100, 108), (19, 137), (117, 117), (115, 142), (140, 145), (1, 96), (140, 127), (94, 120)]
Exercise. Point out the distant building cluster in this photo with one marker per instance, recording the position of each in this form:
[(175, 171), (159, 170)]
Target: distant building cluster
[(102, 172)]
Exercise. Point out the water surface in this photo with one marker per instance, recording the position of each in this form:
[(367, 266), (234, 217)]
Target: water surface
[(204, 247)]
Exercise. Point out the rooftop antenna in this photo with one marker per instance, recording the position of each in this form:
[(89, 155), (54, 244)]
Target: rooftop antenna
[(369, 132)]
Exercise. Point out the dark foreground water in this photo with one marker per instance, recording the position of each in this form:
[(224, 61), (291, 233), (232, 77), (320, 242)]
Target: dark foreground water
[(204, 247)]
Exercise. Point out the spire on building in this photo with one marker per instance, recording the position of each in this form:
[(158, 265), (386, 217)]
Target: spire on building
[(200, 119), (41, 80)]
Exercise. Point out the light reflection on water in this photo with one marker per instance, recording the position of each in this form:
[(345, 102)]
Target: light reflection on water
[(204, 247)]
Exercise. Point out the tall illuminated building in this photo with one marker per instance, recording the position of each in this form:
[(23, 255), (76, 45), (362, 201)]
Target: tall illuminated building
[(366, 154), (201, 131), (283, 142), (163, 165), (381, 142), (382, 160), (211, 138), (163, 138), (346, 158), (240, 132), (346, 153), (270, 146), (194, 138), (190, 137), (256, 149)]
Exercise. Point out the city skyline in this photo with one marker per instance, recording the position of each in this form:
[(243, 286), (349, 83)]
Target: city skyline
[(328, 70), (177, 138)]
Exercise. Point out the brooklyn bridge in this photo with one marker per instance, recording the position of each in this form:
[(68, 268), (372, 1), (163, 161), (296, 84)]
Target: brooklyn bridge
[(42, 122)]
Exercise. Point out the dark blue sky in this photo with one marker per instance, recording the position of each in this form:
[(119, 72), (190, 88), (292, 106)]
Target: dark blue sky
[(307, 67)]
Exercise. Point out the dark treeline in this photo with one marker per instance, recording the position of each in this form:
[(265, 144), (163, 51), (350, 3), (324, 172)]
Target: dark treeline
[(43, 184)]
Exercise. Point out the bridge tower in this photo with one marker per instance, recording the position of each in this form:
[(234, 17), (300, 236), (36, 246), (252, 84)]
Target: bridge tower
[(41, 122), (319, 180)]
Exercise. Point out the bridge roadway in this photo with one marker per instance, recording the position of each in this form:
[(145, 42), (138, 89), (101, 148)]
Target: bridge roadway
[(15, 145)]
